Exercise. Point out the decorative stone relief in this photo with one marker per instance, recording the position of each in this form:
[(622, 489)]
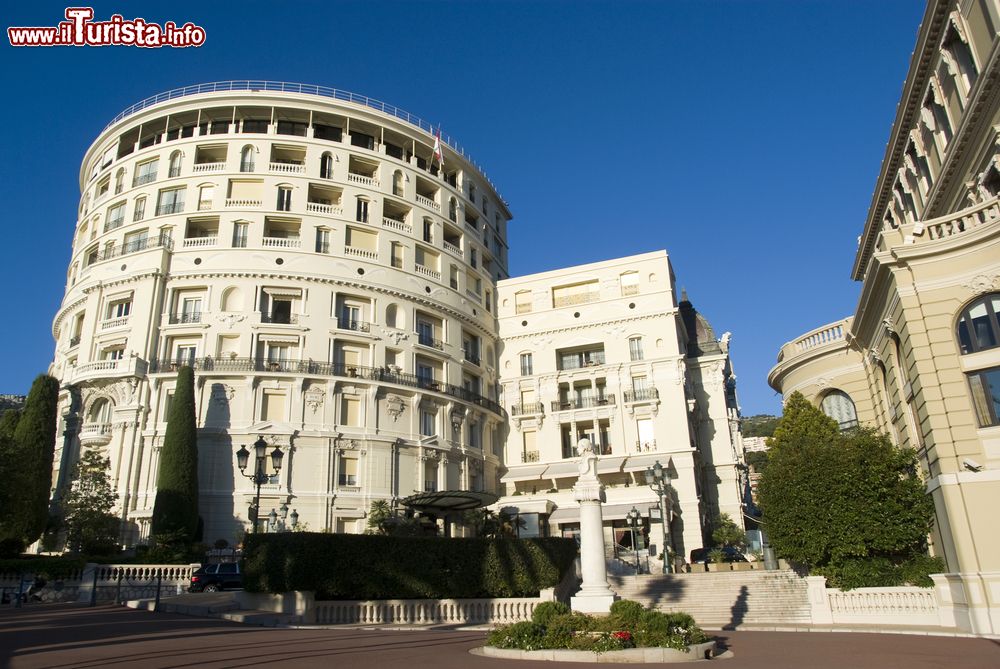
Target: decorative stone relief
[(983, 283), (475, 466), (395, 336), (230, 320), (823, 382), (889, 328), (457, 416), (395, 406), (314, 398)]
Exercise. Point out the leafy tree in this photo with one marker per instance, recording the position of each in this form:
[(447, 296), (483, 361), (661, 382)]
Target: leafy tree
[(378, 514), (849, 505), (757, 460), (91, 527), (175, 510), (725, 532), (27, 445)]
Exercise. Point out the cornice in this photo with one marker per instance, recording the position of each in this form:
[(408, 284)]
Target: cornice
[(583, 326), (61, 314)]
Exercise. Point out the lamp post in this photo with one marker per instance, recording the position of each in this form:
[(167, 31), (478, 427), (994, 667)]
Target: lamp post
[(276, 519), (658, 480), (259, 475), (633, 522)]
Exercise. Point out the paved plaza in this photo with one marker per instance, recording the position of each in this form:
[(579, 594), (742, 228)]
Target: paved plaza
[(65, 637)]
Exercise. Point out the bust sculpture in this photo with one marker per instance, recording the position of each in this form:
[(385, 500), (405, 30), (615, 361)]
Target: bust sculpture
[(588, 459)]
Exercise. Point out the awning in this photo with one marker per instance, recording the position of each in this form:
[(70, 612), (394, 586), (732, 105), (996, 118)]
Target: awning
[(571, 514), (637, 462), (562, 470), (449, 500), (610, 465), (525, 473)]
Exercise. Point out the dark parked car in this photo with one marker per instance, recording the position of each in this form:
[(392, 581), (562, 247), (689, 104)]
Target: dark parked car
[(215, 577), (730, 554)]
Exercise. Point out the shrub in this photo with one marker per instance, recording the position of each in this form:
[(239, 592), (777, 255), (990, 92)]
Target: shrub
[(562, 628), (524, 636), (175, 509), (545, 611), (627, 613), (717, 555), (344, 566), (52, 568)]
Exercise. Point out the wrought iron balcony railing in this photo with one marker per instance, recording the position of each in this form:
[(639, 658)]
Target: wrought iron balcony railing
[(642, 395), (527, 409), (583, 403), (281, 318), (351, 324), (185, 317)]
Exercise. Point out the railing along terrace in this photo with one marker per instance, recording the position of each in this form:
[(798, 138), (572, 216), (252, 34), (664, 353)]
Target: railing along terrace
[(185, 317), (642, 395), (310, 367), (430, 342), (280, 318), (526, 409), (583, 403), (530, 456), (959, 222), (136, 246), (820, 336), (351, 324), (304, 89)]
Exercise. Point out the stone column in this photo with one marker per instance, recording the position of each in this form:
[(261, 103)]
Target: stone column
[(595, 594)]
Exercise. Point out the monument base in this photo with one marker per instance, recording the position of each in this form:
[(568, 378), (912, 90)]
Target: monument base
[(600, 604)]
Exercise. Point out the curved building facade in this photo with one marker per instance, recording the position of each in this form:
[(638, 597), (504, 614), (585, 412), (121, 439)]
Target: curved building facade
[(327, 272)]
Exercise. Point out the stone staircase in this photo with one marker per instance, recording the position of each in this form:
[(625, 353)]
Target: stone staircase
[(723, 600)]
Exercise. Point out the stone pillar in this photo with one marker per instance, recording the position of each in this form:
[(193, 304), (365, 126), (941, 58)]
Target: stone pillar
[(595, 594)]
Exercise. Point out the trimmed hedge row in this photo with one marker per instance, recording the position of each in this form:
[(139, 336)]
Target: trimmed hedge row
[(352, 566), (53, 567)]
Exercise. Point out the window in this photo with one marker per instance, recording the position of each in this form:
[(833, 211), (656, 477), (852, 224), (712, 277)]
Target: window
[(144, 173), (186, 354), (522, 302), (191, 310), (428, 423), (246, 158), (119, 308), (284, 199), (116, 217), (348, 471), (322, 240), (430, 476), (113, 353), (396, 249), (475, 435), (120, 181), (175, 164), (397, 183), (635, 348), (453, 277), (526, 364), (170, 201), (351, 411), (362, 211), (985, 386), (425, 332), (838, 406), (425, 373), (453, 209), (205, 196), (240, 231), (474, 257), (326, 166), (979, 325), (629, 282), (428, 231), (140, 209)]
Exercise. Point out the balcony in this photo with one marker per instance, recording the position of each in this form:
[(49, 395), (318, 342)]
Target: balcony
[(526, 409), (427, 271), (95, 434), (643, 446), (136, 246), (114, 223), (171, 208), (362, 180), (328, 209), (312, 368), (114, 323), (530, 456), (282, 242), (393, 224), (428, 202), (591, 359), (472, 356), (430, 342), (448, 246), (127, 366), (287, 167), (200, 242), (185, 318), (142, 179), (201, 168), (279, 318), (74, 341), (242, 203), (350, 324), (583, 403), (360, 253), (642, 395)]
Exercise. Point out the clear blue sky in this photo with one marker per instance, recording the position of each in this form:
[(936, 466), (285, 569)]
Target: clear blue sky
[(743, 137)]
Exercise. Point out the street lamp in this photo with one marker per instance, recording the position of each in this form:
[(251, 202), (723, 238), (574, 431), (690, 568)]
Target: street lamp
[(633, 522), (658, 480), (276, 519), (259, 475)]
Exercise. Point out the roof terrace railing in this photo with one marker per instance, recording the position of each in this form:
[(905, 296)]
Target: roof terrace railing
[(254, 86)]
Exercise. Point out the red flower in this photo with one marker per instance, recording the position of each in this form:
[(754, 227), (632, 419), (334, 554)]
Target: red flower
[(624, 636)]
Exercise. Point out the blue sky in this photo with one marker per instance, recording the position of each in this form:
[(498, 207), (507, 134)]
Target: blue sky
[(743, 137)]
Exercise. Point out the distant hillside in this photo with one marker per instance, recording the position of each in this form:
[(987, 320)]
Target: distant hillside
[(11, 402), (761, 425)]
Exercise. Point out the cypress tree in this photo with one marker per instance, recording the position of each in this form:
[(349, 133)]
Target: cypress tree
[(11, 542), (175, 511)]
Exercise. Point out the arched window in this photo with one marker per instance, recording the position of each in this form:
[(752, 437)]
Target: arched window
[(397, 183), (100, 411), (120, 180), (393, 316), (246, 158), (979, 324), (838, 406), (175, 164), (326, 166)]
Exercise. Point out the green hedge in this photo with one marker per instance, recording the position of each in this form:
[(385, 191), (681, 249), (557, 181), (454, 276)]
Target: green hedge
[(351, 566), (48, 567)]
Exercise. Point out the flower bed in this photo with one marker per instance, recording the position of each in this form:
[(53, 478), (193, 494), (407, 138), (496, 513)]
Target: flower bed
[(554, 627)]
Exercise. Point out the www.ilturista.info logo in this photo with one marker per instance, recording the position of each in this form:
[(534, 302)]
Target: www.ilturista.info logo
[(79, 29)]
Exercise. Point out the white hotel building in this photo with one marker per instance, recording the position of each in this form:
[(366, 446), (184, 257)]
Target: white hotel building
[(333, 287), (605, 351)]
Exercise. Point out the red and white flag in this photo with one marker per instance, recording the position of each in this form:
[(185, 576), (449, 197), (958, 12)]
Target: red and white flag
[(438, 153)]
